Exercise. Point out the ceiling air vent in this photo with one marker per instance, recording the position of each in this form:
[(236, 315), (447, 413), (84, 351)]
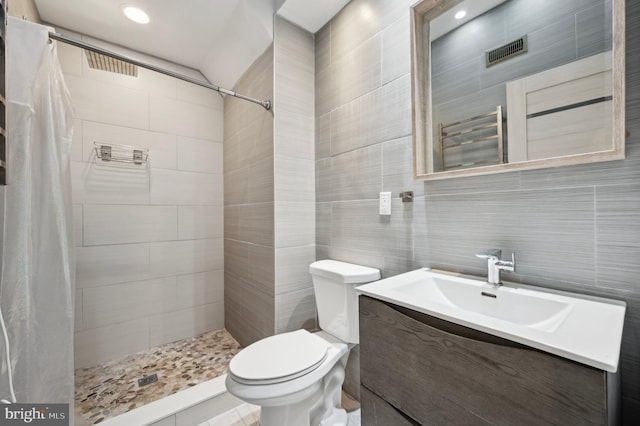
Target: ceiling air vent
[(506, 51), (101, 62)]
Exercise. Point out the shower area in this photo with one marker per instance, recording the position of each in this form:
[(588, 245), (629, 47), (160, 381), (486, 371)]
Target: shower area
[(145, 164), (193, 215), (147, 190)]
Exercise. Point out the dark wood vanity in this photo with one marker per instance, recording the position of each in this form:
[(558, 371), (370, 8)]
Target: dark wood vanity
[(420, 370)]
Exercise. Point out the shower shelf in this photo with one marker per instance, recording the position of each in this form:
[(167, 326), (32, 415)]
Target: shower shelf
[(121, 153)]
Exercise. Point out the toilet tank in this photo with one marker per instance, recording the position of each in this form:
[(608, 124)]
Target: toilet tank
[(334, 285)]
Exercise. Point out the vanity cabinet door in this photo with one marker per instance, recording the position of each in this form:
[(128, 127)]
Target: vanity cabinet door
[(376, 411), (440, 373)]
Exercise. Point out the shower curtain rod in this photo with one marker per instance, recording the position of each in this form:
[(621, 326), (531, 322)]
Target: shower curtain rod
[(96, 49)]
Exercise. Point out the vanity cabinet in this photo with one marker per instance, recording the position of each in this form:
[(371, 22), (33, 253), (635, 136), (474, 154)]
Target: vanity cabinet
[(420, 370)]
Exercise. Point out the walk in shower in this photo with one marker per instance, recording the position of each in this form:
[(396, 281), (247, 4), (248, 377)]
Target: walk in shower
[(143, 161)]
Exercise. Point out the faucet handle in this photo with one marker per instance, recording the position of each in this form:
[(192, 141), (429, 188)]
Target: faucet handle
[(490, 254), (509, 266)]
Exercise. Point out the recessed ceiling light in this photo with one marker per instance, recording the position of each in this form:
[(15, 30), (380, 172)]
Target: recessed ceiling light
[(366, 12), (136, 14), (460, 14)]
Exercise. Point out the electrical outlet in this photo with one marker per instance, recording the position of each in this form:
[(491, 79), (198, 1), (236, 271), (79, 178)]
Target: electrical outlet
[(385, 203)]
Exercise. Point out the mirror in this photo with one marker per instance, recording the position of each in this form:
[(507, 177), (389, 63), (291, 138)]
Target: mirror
[(516, 85)]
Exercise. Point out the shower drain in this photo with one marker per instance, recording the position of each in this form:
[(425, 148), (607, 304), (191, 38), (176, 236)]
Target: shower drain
[(147, 380)]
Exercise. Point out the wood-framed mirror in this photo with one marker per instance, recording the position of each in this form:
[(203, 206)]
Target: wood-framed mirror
[(516, 85)]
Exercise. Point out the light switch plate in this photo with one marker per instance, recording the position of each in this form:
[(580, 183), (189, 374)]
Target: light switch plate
[(385, 203)]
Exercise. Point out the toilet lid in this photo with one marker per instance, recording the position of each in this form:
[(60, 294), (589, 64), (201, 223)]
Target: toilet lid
[(279, 358)]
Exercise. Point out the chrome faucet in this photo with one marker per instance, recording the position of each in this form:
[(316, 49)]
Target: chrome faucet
[(495, 265)]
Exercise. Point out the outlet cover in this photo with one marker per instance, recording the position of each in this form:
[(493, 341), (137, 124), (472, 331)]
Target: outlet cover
[(385, 203)]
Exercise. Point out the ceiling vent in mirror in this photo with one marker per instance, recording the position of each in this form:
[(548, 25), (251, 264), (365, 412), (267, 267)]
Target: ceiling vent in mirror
[(101, 62), (506, 51)]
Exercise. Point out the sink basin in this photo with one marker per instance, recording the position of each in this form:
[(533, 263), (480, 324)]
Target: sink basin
[(518, 306), (582, 328)]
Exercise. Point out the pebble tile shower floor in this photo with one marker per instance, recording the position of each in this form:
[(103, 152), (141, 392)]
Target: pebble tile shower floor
[(112, 388)]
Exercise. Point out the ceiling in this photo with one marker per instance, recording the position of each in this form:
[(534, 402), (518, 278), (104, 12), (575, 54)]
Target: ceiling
[(447, 22), (221, 38)]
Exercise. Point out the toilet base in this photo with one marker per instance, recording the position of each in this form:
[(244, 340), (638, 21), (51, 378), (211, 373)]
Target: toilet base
[(320, 404), (337, 418), (292, 413)]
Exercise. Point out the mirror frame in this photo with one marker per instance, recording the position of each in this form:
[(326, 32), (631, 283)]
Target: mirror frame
[(426, 10)]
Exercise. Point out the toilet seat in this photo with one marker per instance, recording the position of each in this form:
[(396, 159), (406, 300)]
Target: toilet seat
[(279, 358)]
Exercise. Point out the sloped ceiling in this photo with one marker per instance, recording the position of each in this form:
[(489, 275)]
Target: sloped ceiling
[(218, 37), (221, 38)]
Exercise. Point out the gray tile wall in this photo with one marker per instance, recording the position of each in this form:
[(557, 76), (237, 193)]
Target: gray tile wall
[(294, 177), (363, 144), (573, 228), (363, 121), (249, 296), (269, 192)]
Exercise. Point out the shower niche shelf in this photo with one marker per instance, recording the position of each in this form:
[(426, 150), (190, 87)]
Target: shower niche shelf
[(108, 152)]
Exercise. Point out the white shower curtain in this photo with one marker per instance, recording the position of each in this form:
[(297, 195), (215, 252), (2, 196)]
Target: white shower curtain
[(38, 264)]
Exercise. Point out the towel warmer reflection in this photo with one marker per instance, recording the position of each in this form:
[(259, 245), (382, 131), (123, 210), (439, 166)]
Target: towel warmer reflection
[(464, 143)]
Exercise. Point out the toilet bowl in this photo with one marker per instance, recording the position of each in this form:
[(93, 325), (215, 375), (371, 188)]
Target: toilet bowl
[(290, 393), (296, 377)]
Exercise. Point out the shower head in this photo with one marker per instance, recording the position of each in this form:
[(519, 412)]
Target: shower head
[(102, 62)]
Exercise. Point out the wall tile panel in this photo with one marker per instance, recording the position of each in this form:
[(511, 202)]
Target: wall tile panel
[(176, 325), (199, 155), (184, 118), (197, 222), (296, 310), (294, 68), (111, 264), (256, 223), (618, 236), (294, 130), (203, 288), (104, 184), (185, 257), (322, 48), (294, 179), (292, 268), (355, 175), (185, 188), (103, 344), (552, 233), (396, 55), (295, 223), (125, 224), (113, 304), (357, 73), (98, 101), (260, 180)]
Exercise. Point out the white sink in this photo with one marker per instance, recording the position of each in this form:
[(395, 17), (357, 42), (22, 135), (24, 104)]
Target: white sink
[(582, 328), (518, 306)]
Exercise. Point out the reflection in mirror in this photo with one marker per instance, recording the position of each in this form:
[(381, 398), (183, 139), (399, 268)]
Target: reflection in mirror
[(516, 84)]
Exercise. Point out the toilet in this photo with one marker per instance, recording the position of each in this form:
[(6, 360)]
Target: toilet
[(296, 377)]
